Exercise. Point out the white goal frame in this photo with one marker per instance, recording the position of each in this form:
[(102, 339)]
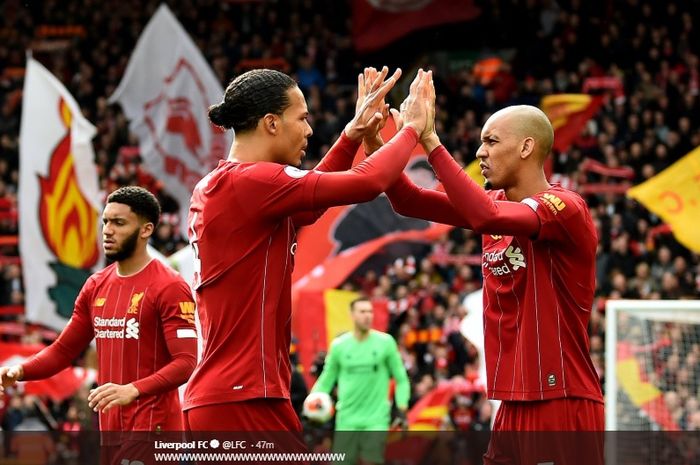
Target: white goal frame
[(650, 309)]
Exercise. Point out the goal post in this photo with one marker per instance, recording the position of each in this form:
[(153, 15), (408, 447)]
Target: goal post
[(652, 364)]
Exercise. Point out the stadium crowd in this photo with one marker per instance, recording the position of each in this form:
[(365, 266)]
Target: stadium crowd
[(642, 55)]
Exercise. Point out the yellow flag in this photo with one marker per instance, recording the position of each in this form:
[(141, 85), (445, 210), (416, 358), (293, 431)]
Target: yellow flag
[(674, 195), (474, 172), (639, 391), (337, 304)]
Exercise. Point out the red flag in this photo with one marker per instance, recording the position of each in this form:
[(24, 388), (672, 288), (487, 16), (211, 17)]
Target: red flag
[(569, 113), (376, 23), (58, 387)]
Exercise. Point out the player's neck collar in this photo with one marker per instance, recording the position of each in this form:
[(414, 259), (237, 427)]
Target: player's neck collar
[(130, 275)]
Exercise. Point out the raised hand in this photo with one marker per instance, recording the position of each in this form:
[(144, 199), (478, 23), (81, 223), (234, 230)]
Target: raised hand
[(372, 139), (429, 138), (415, 110), (370, 109), (430, 124)]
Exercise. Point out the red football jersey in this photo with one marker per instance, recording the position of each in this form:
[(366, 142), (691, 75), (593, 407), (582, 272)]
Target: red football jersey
[(242, 226), (245, 243), (131, 319), (538, 295)]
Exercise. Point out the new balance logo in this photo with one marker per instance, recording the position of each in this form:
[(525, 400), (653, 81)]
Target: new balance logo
[(132, 329)]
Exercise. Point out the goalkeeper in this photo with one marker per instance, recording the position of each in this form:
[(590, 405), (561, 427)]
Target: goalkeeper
[(362, 363)]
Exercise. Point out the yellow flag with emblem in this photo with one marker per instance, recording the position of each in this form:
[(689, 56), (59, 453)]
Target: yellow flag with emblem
[(674, 195)]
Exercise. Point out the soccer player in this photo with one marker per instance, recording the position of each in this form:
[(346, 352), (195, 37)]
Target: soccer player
[(142, 314), (539, 245), (362, 362), (243, 221)]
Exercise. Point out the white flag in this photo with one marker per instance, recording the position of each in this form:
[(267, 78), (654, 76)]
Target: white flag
[(165, 93), (59, 199)]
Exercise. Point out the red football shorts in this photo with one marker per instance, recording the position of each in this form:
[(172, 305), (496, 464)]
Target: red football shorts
[(552, 432), (247, 415)]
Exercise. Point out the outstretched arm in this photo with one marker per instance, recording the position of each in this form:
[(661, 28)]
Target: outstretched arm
[(369, 178), (407, 199), (74, 338), (276, 191), (485, 215), (465, 204), (338, 158), (270, 190)]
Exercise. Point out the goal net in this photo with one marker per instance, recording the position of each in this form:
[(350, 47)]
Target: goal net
[(652, 370)]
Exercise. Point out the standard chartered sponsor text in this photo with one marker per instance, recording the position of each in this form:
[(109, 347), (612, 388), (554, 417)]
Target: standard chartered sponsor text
[(111, 322), (123, 328), (109, 334), (219, 457)]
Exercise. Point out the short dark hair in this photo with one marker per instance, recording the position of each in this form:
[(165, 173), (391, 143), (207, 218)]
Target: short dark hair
[(358, 300), (140, 200), (251, 96)]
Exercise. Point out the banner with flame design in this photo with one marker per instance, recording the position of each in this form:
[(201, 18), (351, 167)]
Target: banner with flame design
[(59, 198)]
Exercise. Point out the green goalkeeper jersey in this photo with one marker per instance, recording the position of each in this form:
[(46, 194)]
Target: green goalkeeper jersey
[(362, 370)]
